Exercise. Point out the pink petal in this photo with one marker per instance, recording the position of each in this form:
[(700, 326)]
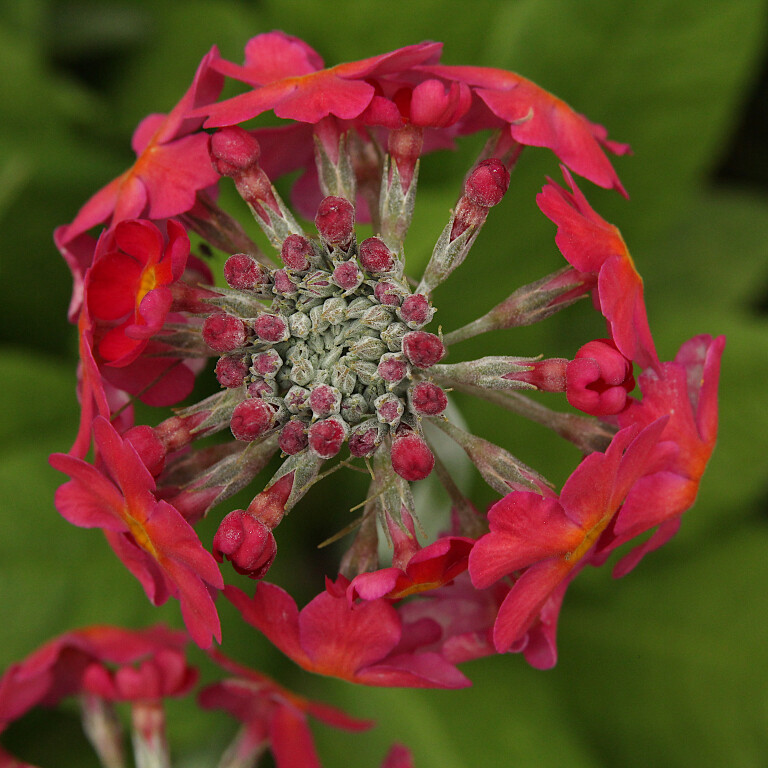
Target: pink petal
[(525, 600), (291, 740)]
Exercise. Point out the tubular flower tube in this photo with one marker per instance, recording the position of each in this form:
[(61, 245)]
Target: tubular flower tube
[(330, 355)]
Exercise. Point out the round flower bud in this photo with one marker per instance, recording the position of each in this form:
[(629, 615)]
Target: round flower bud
[(415, 310), (233, 150), (392, 368), (427, 399), (271, 328), (223, 332), (293, 437), (266, 363), (387, 294), (599, 379), (335, 221), (375, 256), (327, 436), (244, 272), (231, 371), (284, 286), (324, 400), (295, 252), (246, 542), (423, 349), (488, 183), (251, 419), (411, 457), (364, 441), (347, 275)]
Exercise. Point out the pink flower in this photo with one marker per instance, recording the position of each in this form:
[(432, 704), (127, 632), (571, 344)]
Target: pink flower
[(129, 284), (329, 636), (61, 667), (172, 163), (288, 78), (686, 389), (151, 537), (272, 715), (548, 537), (414, 569), (536, 118), (592, 245)]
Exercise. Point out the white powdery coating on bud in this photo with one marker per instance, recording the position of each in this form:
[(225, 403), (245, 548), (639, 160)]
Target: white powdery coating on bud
[(334, 350), (411, 457)]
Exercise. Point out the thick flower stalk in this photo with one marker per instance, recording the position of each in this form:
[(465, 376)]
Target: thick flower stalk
[(326, 353)]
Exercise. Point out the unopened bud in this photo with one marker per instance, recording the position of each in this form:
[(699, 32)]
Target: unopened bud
[(423, 349), (392, 367), (327, 436), (244, 272), (149, 446), (271, 328), (234, 150), (335, 221), (293, 437), (223, 332), (347, 275), (295, 252), (411, 457), (415, 310), (375, 256), (231, 371), (488, 183), (364, 440), (427, 399), (324, 400), (599, 379), (251, 419), (246, 542)]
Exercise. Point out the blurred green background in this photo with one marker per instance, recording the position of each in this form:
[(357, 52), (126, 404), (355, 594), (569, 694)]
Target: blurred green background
[(668, 667)]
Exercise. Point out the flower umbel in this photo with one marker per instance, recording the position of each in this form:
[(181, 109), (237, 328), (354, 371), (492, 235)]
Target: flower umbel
[(327, 353)]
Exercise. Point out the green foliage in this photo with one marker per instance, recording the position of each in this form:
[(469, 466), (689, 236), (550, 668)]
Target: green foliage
[(662, 668)]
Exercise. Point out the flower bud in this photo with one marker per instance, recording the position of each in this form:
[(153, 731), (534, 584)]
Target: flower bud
[(375, 256), (295, 252), (387, 293), (335, 221), (427, 399), (234, 150), (415, 310), (599, 379), (251, 419), (392, 367), (231, 371), (246, 542), (411, 457), (487, 184), (324, 400), (284, 286), (364, 440), (327, 436), (223, 332), (293, 437), (149, 446), (271, 328), (423, 349), (347, 275), (244, 272)]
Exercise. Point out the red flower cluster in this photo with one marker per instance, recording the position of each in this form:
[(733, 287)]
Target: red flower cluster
[(329, 346)]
